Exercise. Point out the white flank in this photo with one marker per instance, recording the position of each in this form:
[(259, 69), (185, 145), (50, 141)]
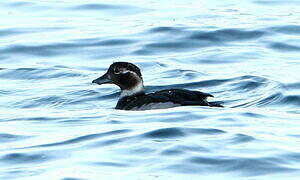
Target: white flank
[(151, 106)]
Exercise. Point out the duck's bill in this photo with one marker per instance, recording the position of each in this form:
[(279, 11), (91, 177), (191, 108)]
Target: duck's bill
[(102, 80)]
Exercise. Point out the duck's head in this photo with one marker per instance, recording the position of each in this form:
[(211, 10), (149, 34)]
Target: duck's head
[(125, 75)]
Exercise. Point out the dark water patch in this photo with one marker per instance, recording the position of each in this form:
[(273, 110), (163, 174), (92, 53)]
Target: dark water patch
[(10, 137), (206, 131), (16, 174), (82, 93), (141, 150), (18, 158), (17, 4), (189, 74), (184, 149), (165, 133), (9, 32), (114, 42), (70, 178), (165, 29), (100, 7), (84, 138), (38, 119), (109, 142), (292, 86), (119, 10), (253, 115), (287, 29), (277, 2), (172, 152), (191, 40), (291, 157), (241, 138), (21, 31), (56, 49), (37, 73), (263, 100), (49, 101), (270, 99), (111, 164), (290, 100), (180, 132), (38, 50), (143, 52), (284, 47), (172, 45), (4, 92), (227, 35), (248, 85), (242, 166), (93, 42)]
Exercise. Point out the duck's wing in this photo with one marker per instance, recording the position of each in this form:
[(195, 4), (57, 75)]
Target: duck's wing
[(186, 97)]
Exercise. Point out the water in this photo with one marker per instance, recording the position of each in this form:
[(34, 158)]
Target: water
[(56, 124)]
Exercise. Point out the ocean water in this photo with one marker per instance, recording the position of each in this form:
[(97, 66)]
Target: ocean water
[(56, 124)]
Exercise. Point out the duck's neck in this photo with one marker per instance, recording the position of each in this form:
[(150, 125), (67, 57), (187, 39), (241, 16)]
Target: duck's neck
[(136, 90)]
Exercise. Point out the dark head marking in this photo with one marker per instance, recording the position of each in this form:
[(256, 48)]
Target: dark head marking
[(123, 74)]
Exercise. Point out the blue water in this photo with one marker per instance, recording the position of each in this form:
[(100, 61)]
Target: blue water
[(56, 124)]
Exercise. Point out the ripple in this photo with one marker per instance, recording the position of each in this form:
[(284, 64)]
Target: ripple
[(287, 29), (165, 29), (9, 32), (84, 138), (180, 40), (56, 49), (242, 138), (10, 137), (36, 73), (112, 164), (277, 2), (242, 166), (290, 100), (227, 35), (113, 9), (180, 132), (41, 102), (284, 47), (14, 158), (165, 133), (68, 178), (98, 7), (248, 167)]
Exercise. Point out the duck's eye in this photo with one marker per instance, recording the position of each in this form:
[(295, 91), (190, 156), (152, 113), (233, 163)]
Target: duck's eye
[(116, 71), (120, 70)]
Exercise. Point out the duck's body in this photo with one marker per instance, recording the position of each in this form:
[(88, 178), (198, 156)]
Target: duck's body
[(163, 99), (133, 97)]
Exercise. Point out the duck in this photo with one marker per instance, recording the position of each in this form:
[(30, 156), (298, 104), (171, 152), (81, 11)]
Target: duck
[(133, 96)]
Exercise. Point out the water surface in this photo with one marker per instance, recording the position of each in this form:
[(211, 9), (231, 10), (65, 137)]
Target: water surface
[(56, 124)]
